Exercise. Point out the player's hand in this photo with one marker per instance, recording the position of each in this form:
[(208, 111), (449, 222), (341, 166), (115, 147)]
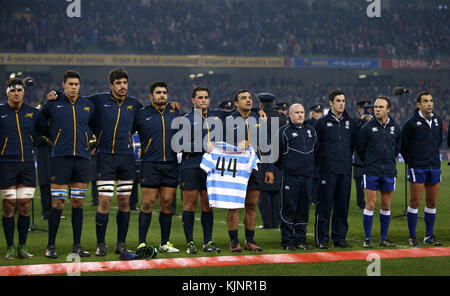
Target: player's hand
[(210, 147), (366, 117), (243, 145), (51, 96), (175, 106), (262, 114), (269, 178)]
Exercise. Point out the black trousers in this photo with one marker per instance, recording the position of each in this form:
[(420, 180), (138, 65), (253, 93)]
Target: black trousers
[(294, 209), (360, 203), (269, 207), (333, 200)]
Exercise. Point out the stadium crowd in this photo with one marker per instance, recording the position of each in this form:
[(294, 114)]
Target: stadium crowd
[(249, 28)]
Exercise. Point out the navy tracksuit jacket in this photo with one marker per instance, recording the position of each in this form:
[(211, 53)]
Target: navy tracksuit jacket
[(337, 140), (420, 142), (114, 123), (155, 132), (69, 125), (298, 146), (378, 147), (17, 132)]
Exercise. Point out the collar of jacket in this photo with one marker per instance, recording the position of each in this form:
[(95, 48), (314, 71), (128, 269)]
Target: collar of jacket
[(331, 116)]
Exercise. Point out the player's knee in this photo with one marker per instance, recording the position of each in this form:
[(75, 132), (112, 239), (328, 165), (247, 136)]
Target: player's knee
[(250, 206), (9, 207), (431, 204), (147, 206), (9, 201), (24, 209)]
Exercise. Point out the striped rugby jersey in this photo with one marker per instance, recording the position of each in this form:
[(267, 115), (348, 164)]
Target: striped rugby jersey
[(228, 170)]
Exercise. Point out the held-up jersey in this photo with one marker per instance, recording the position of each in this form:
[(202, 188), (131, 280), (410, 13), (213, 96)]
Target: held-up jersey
[(228, 170)]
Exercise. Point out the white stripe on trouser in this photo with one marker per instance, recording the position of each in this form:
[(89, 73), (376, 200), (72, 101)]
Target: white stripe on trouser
[(364, 182), (413, 175)]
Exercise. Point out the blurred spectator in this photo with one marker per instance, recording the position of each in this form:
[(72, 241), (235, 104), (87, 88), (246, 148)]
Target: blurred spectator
[(244, 28)]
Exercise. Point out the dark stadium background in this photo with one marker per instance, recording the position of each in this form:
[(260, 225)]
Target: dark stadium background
[(407, 46)]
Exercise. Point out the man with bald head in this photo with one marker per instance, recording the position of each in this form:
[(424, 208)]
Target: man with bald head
[(298, 146)]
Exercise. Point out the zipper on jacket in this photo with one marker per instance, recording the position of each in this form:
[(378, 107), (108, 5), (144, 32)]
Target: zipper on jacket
[(57, 137), (4, 145), (20, 134)]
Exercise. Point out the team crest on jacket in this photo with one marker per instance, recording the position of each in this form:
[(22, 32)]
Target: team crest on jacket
[(347, 124), (294, 134), (436, 123), (392, 130), (87, 109), (29, 115), (418, 123), (309, 133), (130, 107)]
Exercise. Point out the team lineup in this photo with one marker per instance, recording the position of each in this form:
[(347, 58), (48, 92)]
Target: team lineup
[(229, 159)]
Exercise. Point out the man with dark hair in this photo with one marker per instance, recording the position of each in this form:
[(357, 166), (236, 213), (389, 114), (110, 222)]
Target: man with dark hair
[(336, 133), (378, 147), (246, 124), (113, 126), (269, 195), (420, 141), (69, 118), (193, 178), (115, 117), (159, 166), (357, 169), (18, 176), (298, 148)]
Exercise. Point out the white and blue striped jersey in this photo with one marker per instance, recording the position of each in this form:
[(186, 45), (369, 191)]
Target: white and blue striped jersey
[(228, 170)]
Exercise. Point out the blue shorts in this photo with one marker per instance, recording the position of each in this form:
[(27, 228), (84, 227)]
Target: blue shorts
[(428, 176), (385, 184)]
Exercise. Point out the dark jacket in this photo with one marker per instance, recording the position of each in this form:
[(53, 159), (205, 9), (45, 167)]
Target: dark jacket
[(155, 133), (249, 129), (272, 113), (68, 125), (17, 132), (337, 140), (298, 150), (202, 128), (114, 122), (420, 142), (378, 147)]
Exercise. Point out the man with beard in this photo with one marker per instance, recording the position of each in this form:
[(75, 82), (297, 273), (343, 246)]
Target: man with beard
[(159, 165)]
